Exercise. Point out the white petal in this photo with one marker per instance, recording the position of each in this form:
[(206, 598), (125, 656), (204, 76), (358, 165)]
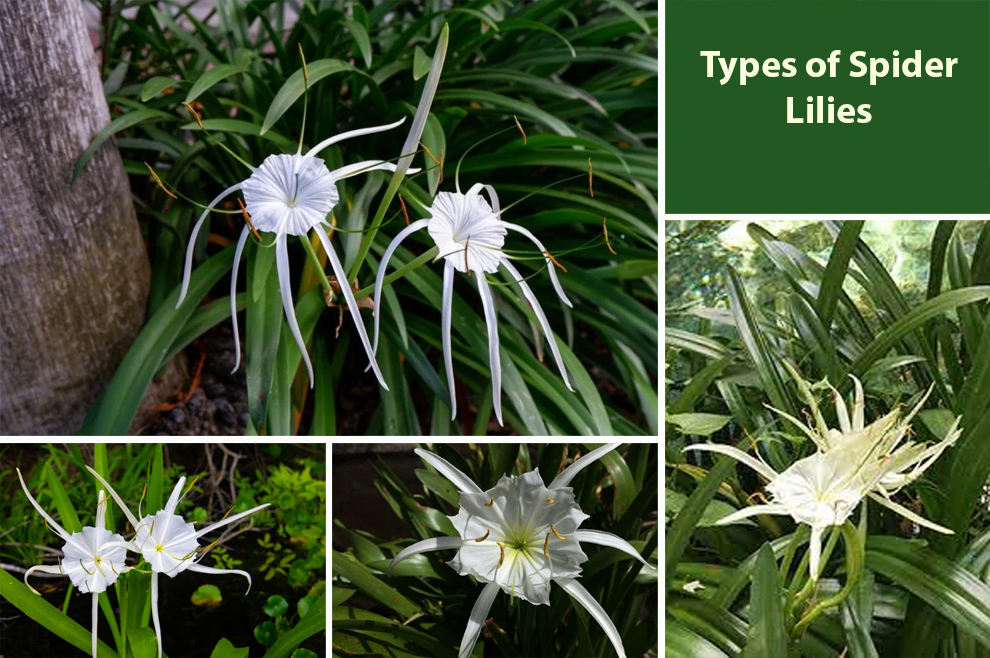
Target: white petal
[(233, 295), (859, 406), (463, 483), (491, 319), (120, 503), (154, 611), (842, 412), (229, 520), (425, 101), (191, 246), (285, 287), (541, 316), (550, 265), (579, 593), (908, 514), (380, 277), (479, 613), (364, 167), (568, 473), (494, 199), (608, 539), (345, 288), (425, 546), (210, 570), (752, 510), (737, 454), (56, 527), (445, 317), (352, 133), (173, 499), (43, 568), (820, 442), (815, 545)]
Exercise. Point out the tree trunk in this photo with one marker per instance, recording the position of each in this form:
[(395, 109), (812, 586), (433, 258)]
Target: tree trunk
[(74, 270)]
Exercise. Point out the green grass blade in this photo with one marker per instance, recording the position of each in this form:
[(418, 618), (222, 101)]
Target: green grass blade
[(296, 85), (123, 122), (263, 330), (767, 637)]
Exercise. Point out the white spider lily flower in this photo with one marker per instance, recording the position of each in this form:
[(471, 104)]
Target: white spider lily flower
[(854, 462), (169, 543), (94, 557), (289, 195), (518, 537), (469, 233)]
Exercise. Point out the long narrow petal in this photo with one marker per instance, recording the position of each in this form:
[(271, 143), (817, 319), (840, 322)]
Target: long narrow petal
[(494, 199), (550, 265), (285, 287), (56, 527), (187, 271), (541, 316), (210, 570), (737, 454), (233, 294), (43, 568), (911, 516), (173, 499), (425, 101), (101, 510), (753, 510), (582, 596), (568, 473), (463, 483), (96, 618), (380, 277), (425, 546), (608, 539), (352, 133), (842, 412), (154, 611), (859, 406), (446, 312), (364, 167), (479, 613), (815, 548), (820, 441), (345, 288), (491, 319), (221, 523)]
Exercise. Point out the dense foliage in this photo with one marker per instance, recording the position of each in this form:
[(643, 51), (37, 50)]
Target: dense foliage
[(580, 78)]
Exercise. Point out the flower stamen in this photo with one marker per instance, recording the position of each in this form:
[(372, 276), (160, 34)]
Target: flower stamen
[(546, 542), (481, 539), (405, 213), (491, 503), (501, 557), (554, 261), (83, 567), (605, 229), (557, 534), (549, 501)]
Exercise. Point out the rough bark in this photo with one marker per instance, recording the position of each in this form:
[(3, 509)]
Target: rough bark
[(74, 270)]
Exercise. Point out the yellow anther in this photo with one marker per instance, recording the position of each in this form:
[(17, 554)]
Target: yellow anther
[(605, 229), (549, 501), (501, 556), (247, 218), (519, 126), (483, 538), (305, 68), (491, 503), (83, 567), (557, 534), (554, 261), (225, 515), (546, 542), (195, 114), (467, 267), (405, 213), (191, 486), (154, 177), (60, 569), (112, 569)]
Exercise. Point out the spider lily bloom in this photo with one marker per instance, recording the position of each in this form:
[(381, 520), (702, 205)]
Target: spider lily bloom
[(169, 543), (289, 195), (518, 537), (469, 233), (94, 557), (852, 463)]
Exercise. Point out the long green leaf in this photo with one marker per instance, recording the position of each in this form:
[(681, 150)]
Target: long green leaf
[(296, 85), (767, 637), (263, 331), (122, 122), (213, 76), (314, 622)]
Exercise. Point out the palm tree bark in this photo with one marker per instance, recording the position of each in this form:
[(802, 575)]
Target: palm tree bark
[(74, 270)]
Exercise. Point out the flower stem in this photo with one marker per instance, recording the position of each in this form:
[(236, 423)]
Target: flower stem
[(854, 568), (318, 266), (422, 259)]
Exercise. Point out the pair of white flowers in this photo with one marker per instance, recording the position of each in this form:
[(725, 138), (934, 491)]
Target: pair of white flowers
[(518, 537), (94, 557), (853, 462)]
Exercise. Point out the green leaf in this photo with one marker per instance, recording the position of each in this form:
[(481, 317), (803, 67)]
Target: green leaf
[(50, 617), (239, 127), (340, 595), (674, 501), (296, 85), (421, 63), (436, 142), (766, 637), (948, 587), (67, 513), (361, 40), (213, 76), (144, 643), (154, 499), (303, 653), (835, 271), (225, 649), (682, 642), (157, 85), (314, 622), (276, 606), (207, 596), (698, 424), (262, 333), (123, 122), (371, 586), (857, 616), (265, 633)]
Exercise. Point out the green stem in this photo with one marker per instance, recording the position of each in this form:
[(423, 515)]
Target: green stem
[(849, 539), (792, 546), (324, 281), (425, 257), (365, 246)]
